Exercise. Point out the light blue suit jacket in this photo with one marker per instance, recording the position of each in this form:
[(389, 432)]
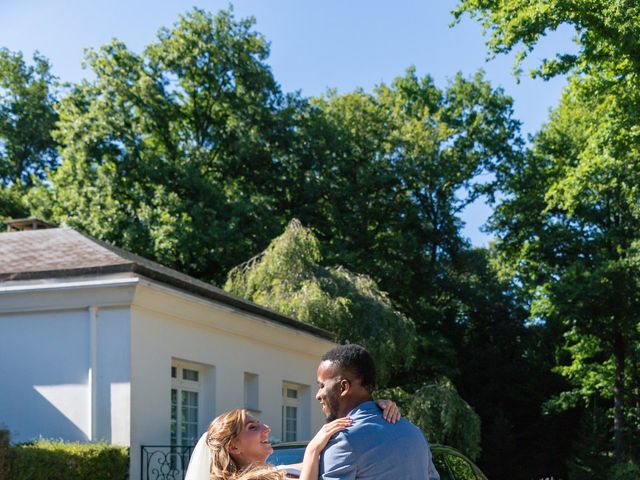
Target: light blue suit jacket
[(372, 448)]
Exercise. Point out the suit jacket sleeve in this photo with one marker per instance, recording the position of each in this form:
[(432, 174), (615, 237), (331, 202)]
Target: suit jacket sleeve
[(338, 460)]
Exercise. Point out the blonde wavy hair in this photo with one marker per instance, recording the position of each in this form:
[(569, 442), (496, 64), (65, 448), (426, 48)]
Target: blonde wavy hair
[(223, 430)]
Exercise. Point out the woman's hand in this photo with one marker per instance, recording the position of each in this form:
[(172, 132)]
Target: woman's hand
[(310, 463), (390, 410), (327, 431)]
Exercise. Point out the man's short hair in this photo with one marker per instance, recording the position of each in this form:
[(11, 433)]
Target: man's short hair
[(355, 359)]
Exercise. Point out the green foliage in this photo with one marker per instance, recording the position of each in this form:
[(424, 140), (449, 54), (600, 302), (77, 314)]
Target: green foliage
[(592, 457), (607, 31), (55, 460), (172, 153), (625, 471), (393, 170), (570, 228), (27, 118), (288, 277), (505, 373), (442, 415), (402, 158), (569, 225), (12, 203)]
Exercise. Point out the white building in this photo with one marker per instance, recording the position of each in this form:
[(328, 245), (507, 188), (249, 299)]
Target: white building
[(97, 344)]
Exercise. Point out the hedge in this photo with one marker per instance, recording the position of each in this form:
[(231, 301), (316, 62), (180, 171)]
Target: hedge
[(57, 460)]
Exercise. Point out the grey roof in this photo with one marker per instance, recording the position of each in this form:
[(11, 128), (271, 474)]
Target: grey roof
[(64, 252)]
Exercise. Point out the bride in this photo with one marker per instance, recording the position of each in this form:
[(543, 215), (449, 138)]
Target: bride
[(236, 446)]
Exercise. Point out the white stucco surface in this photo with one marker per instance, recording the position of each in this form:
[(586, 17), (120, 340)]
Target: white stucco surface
[(112, 372), (52, 337), (44, 362)]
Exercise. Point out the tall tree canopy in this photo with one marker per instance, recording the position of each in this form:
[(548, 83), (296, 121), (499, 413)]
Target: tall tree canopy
[(607, 31), (405, 164), (27, 118), (172, 153), (569, 233), (391, 172), (569, 224)]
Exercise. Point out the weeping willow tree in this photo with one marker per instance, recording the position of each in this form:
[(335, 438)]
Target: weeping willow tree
[(441, 413), (288, 277)]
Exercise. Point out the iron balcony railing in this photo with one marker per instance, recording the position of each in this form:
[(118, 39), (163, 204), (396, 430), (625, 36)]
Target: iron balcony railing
[(164, 462)]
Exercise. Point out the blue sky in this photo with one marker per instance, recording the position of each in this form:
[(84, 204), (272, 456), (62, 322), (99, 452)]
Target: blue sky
[(315, 45)]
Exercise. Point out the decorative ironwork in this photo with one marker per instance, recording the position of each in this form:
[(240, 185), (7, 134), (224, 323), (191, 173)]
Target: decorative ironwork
[(164, 462)]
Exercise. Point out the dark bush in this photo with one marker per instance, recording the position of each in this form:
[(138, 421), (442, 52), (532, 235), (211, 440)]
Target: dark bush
[(56, 460)]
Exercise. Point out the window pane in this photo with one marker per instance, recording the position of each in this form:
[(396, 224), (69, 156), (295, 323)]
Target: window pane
[(189, 423), (188, 374), (292, 393), (290, 424), (174, 416), (173, 372)]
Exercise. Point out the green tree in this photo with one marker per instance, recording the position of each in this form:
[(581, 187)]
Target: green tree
[(607, 32), (11, 203), (288, 277), (569, 234), (27, 118), (505, 374), (577, 253), (405, 164), (173, 153), (384, 177)]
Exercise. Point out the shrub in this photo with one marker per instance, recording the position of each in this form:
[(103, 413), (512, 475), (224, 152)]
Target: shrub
[(56, 460)]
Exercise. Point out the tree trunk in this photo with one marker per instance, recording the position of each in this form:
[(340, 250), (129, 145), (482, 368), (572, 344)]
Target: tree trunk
[(618, 397)]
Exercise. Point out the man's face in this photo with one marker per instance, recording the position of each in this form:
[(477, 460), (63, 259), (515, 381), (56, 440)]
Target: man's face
[(329, 389)]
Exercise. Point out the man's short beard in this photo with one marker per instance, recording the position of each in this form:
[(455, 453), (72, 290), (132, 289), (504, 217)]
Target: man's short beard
[(333, 412), (331, 417)]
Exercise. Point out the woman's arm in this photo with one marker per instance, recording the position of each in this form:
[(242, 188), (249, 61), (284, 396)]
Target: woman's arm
[(311, 462)]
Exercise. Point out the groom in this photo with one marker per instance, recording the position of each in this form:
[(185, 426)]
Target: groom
[(370, 448)]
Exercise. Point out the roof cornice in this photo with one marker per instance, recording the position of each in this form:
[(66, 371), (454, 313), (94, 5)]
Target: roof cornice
[(141, 266)]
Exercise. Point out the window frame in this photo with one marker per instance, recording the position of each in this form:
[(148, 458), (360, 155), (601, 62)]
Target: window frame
[(291, 402), (179, 384)]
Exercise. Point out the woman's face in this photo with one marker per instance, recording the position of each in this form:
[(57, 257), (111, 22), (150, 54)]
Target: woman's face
[(252, 446)]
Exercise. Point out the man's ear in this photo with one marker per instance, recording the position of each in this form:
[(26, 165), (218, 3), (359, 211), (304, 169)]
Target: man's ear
[(345, 387)]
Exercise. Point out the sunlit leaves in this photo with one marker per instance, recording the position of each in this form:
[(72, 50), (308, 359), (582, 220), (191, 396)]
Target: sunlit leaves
[(288, 277)]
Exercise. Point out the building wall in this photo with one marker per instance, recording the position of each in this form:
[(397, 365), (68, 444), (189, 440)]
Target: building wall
[(168, 325), (44, 367), (113, 364), (64, 360)]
